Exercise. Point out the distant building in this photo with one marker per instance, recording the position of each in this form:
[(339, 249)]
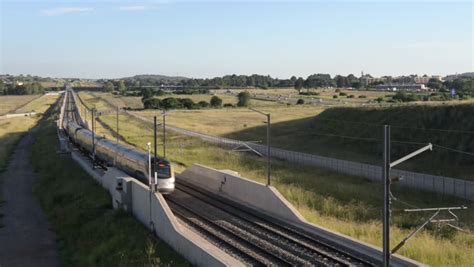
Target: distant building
[(401, 87), (367, 79), (425, 79)]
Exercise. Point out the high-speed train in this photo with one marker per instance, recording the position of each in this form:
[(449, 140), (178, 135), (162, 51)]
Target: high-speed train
[(128, 159)]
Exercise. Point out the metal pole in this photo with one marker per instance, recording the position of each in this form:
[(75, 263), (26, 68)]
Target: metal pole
[(149, 163), (164, 134), (154, 140), (93, 134), (386, 209), (269, 155), (117, 140)]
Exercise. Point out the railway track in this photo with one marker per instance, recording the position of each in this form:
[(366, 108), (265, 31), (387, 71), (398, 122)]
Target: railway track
[(251, 238)]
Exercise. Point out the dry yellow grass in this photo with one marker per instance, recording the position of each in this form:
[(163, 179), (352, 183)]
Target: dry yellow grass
[(12, 129), (10, 103), (39, 105), (10, 132), (226, 121)]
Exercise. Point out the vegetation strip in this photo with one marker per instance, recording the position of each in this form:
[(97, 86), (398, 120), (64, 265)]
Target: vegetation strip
[(90, 232)]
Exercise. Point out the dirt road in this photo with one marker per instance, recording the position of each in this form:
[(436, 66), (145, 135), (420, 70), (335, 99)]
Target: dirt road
[(25, 238)]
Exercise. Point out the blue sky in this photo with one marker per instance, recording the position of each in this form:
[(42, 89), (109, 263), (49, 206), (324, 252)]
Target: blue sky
[(110, 39)]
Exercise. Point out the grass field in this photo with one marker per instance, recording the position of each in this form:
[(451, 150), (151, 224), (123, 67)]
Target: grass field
[(90, 232), (8, 104), (39, 105), (349, 205), (322, 93)]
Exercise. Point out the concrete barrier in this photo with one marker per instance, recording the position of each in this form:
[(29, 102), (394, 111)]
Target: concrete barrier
[(152, 210), (260, 196), (268, 201), (16, 115)]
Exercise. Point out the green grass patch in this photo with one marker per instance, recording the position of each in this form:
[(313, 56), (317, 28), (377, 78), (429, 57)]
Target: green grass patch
[(90, 232)]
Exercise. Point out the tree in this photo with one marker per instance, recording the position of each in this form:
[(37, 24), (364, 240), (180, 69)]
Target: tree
[(356, 84), (434, 84), (203, 104), (216, 102), (300, 101), (109, 87), (121, 87), (153, 103), (147, 93), (188, 103), (299, 84), (244, 99), (171, 103)]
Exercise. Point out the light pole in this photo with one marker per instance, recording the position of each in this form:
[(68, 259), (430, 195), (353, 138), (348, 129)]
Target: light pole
[(269, 151)]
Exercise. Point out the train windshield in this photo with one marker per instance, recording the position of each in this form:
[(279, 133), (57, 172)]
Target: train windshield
[(163, 169)]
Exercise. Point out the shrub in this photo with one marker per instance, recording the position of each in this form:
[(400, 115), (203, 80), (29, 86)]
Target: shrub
[(244, 99), (203, 104), (338, 90), (350, 96), (152, 103), (171, 103), (187, 103), (160, 93), (216, 102), (404, 97), (342, 94), (379, 99), (229, 105), (362, 96), (308, 93), (334, 96), (300, 102)]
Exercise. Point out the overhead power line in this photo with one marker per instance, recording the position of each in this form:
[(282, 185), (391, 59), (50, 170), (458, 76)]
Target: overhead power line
[(399, 126)]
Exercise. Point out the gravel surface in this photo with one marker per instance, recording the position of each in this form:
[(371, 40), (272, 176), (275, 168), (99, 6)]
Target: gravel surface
[(249, 236)]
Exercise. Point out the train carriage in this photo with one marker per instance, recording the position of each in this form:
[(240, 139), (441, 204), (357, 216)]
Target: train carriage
[(128, 159)]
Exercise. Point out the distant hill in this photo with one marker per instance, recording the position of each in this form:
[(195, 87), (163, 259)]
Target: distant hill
[(155, 77)]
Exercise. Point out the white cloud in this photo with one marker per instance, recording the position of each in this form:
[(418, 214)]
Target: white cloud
[(132, 8), (64, 10)]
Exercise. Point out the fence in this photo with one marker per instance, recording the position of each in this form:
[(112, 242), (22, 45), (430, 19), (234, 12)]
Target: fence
[(440, 184)]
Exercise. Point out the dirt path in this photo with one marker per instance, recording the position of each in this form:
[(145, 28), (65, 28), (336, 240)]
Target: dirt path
[(25, 239)]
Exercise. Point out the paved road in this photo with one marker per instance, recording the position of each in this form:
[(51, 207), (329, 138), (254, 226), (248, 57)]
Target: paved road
[(25, 239)]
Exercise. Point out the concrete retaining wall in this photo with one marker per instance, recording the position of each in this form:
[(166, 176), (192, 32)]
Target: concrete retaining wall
[(152, 210), (260, 196), (268, 200), (16, 115)]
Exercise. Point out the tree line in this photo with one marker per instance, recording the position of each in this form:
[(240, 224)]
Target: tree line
[(23, 89), (150, 102)]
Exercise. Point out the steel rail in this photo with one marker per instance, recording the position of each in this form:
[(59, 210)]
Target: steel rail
[(278, 229), (261, 251)]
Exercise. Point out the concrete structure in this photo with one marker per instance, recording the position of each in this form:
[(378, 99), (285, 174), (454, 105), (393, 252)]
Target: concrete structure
[(152, 210), (267, 200), (16, 115), (401, 87)]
